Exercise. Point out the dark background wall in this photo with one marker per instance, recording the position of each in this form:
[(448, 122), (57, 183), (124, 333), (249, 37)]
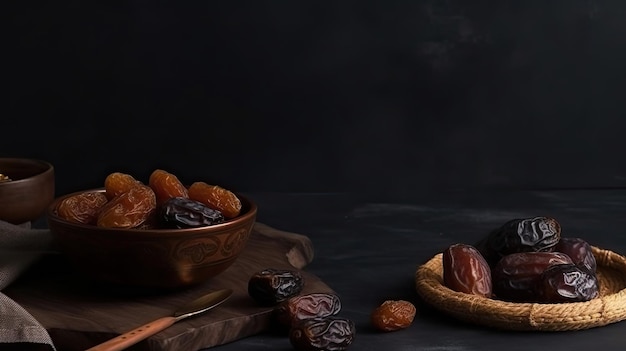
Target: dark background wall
[(391, 97)]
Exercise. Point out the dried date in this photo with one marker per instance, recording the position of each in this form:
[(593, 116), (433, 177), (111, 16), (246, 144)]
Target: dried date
[(323, 334), (515, 276), (520, 235), (117, 183), (216, 198), (579, 251), (272, 286), (129, 209), (567, 283), (465, 270), (181, 212), (393, 315), (82, 208), (314, 305), (166, 186)]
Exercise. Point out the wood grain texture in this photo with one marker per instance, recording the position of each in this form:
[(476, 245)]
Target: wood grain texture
[(79, 314)]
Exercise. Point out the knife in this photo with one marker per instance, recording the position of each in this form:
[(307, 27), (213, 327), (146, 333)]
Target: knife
[(195, 307)]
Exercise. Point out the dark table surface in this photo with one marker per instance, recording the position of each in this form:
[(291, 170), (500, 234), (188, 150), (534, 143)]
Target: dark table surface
[(368, 250)]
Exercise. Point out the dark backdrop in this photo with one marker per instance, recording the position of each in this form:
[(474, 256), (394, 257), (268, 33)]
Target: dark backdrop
[(387, 97)]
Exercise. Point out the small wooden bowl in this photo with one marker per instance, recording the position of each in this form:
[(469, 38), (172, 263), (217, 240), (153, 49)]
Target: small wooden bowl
[(151, 258), (609, 307), (30, 191)]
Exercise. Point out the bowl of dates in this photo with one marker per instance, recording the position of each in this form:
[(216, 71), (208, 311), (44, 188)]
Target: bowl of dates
[(26, 189), (154, 234), (527, 275)]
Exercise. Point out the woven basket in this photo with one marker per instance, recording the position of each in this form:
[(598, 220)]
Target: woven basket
[(609, 307)]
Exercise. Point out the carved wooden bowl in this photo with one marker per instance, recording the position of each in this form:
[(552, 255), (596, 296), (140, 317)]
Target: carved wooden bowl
[(152, 258), (29, 192)]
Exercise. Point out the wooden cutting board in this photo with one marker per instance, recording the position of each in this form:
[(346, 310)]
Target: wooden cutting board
[(78, 315)]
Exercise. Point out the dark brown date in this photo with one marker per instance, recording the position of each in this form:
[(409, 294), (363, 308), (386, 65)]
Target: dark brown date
[(579, 251), (520, 235), (315, 305), (271, 286), (181, 212), (322, 334), (567, 283), (465, 270), (515, 276)]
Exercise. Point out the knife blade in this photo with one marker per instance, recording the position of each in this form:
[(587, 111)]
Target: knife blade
[(193, 308)]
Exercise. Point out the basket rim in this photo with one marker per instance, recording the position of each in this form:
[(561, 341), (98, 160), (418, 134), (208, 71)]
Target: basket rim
[(606, 309)]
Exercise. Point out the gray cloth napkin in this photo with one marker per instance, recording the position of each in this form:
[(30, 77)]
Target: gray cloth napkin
[(20, 246)]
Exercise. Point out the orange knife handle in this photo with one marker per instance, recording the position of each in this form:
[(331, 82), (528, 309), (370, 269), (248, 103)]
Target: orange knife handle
[(134, 336)]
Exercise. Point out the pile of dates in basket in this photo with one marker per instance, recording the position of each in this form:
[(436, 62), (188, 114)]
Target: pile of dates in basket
[(311, 321), (164, 202), (524, 260)]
